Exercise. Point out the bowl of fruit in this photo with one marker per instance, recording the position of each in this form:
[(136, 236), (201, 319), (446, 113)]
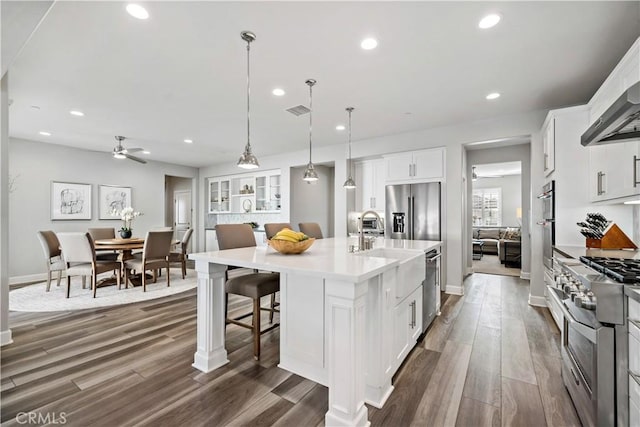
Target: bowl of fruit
[(287, 241)]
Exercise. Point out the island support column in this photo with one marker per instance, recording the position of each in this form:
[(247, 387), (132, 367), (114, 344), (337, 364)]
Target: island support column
[(211, 353), (345, 314)]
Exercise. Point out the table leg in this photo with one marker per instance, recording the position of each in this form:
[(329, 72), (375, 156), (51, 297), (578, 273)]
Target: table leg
[(211, 353), (345, 314)]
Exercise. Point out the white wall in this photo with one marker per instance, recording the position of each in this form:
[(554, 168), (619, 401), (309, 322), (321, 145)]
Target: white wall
[(511, 195), (313, 202), (36, 164)]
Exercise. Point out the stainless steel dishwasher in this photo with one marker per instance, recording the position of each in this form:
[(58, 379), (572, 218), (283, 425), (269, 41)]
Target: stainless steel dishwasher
[(430, 286)]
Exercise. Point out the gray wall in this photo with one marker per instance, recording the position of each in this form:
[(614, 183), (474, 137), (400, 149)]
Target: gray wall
[(313, 202), (511, 186), (35, 165), (512, 153)]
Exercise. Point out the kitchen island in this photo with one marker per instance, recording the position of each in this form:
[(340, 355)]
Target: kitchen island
[(337, 315)]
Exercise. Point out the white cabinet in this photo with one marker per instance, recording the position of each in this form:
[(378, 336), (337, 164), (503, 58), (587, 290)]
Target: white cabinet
[(634, 363), (614, 170), (268, 191), (370, 184), (219, 192), (407, 325), (415, 166), (261, 238), (210, 240), (548, 144), (626, 73)]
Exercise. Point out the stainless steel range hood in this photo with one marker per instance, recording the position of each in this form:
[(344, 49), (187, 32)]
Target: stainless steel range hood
[(619, 123)]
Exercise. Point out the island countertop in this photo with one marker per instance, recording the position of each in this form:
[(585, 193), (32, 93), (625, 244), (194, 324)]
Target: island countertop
[(329, 258)]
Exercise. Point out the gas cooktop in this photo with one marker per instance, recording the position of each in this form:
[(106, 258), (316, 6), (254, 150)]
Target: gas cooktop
[(619, 269)]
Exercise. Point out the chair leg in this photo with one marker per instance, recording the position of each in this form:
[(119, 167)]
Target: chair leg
[(84, 282), (184, 268), (49, 280), (68, 285), (273, 304), (94, 283), (144, 280), (167, 273), (256, 329), (155, 275), (59, 277)]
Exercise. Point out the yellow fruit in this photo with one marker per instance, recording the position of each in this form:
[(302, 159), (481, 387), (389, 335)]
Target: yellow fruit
[(285, 237)]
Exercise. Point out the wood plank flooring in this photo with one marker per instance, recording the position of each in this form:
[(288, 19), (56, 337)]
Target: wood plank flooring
[(490, 359)]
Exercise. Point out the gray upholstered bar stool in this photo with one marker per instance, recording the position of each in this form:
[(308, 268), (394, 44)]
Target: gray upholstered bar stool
[(272, 228), (253, 285), (311, 229)]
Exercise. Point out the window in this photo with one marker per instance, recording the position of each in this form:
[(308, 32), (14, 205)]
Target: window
[(487, 206)]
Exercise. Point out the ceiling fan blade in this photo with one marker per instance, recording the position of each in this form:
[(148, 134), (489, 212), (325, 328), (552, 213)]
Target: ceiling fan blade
[(134, 158), (134, 150)]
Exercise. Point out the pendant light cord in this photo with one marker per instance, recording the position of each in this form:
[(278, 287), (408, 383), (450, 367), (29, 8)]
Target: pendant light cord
[(350, 109), (310, 83), (248, 97)]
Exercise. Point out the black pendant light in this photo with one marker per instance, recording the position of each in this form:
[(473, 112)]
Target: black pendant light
[(349, 183), (247, 159), (310, 173)]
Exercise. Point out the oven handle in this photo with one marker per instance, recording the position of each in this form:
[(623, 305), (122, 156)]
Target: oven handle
[(585, 331)]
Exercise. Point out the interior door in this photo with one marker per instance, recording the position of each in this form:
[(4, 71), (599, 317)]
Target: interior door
[(181, 213)]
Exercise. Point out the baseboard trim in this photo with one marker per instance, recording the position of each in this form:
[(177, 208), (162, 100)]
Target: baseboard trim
[(537, 301), (454, 290), (525, 275), (30, 278), (5, 337)]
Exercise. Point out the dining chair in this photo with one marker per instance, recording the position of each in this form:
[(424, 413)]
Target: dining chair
[(252, 285), (101, 234), (272, 228), (52, 255), (311, 229), (80, 258), (155, 255), (181, 255)]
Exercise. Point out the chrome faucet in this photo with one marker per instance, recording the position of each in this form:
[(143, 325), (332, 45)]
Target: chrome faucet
[(362, 242)]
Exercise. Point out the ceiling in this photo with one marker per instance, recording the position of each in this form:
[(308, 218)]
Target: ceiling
[(182, 73)]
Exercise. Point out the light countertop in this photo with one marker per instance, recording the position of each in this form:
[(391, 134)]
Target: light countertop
[(328, 258), (578, 251), (632, 292)]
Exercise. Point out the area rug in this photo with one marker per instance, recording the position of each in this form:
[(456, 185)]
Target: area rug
[(35, 298), (489, 264)]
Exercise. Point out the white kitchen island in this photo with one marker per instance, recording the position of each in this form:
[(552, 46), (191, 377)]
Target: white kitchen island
[(337, 312)]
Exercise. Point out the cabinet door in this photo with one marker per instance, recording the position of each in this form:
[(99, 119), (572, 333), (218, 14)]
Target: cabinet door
[(623, 160), (214, 196), (359, 178), (401, 321), (261, 238), (225, 193), (415, 317), (428, 164), (210, 240), (597, 172), (398, 167), (377, 184), (367, 186), (548, 143)]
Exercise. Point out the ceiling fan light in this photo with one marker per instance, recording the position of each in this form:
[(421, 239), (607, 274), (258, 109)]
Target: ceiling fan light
[(310, 173), (119, 156)]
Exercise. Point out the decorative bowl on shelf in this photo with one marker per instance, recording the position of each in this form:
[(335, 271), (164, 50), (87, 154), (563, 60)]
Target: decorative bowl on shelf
[(286, 247)]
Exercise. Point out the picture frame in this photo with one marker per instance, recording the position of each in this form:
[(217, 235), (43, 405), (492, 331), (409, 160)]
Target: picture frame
[(70, 201), (112, 197)]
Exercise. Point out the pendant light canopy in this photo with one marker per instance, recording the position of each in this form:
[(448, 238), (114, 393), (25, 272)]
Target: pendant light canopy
[(349, 183), (247, 159), (310, 173)]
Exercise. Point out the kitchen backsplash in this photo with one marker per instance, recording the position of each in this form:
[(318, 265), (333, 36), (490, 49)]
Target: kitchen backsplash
[(212, 220)]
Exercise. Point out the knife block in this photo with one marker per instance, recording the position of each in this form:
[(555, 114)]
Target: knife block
[(613, 238)]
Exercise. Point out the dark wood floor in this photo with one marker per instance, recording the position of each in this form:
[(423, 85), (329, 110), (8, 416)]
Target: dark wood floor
[(489, 359)]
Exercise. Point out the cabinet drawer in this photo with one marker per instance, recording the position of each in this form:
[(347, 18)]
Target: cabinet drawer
[(634, 390), (634, 350), (634, 310), (634, 413)]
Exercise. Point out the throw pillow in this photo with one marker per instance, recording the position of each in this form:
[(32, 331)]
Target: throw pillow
[(512, 234), (489, 233)]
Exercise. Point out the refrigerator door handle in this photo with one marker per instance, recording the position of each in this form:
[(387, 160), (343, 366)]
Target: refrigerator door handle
[(409, 218)]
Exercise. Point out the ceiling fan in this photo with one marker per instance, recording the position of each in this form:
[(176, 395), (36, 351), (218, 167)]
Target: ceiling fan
[(125, 153)]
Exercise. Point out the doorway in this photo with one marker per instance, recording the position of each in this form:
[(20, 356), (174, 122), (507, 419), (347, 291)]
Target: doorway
[(179, 205)]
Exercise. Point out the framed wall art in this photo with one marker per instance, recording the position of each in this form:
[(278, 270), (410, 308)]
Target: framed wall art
[(70, 200), (113, 197)]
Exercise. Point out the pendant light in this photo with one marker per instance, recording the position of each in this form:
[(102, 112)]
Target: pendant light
[(349, 183), (474, 175), (310, 173), (247, 159)]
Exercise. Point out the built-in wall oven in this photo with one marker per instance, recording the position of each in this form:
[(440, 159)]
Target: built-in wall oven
[(548, 223)]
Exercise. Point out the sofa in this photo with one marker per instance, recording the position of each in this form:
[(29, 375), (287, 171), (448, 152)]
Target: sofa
[(494, 238)]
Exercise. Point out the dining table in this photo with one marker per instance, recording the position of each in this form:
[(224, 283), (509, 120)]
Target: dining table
[(125, 247)]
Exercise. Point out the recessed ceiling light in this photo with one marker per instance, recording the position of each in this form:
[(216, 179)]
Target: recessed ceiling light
[(489, 21), (188, 141), (44, 133), (340, 127), (493, 95), (278, 92), (137, 11), (368, 44), (146, 152), (76, 113)]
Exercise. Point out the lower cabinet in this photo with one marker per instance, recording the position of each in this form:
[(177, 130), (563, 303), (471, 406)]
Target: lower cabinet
[(407, 322), (634, 362), (210, 240)]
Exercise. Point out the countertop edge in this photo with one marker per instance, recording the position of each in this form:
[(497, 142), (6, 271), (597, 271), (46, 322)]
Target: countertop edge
[(632, 292)]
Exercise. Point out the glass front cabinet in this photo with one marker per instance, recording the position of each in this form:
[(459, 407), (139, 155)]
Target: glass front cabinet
[(219, 195), (245, 193)]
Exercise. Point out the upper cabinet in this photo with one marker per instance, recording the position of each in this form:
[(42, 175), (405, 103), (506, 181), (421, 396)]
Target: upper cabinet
[(245, 193), (415, 166), (369, 177), (549, 144)]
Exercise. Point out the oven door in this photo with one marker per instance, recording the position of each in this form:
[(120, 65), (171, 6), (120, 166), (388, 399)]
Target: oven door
[(588, 364)]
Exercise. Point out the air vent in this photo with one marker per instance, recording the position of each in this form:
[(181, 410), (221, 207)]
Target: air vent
[(298, 110)]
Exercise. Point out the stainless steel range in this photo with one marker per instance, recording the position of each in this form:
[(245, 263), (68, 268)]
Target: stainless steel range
[(594, 336)]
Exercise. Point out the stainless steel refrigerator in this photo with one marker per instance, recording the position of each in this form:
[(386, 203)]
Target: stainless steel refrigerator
[(413, 212)]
